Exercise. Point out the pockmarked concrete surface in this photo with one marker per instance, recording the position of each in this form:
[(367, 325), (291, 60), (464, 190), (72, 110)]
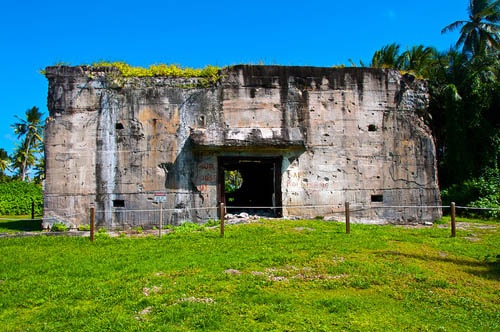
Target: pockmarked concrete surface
[(334, 135)]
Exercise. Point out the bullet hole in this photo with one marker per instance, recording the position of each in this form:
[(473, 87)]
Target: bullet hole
[(119, 125), (326, 179), (377, 198), (118, 203), (372, 127)]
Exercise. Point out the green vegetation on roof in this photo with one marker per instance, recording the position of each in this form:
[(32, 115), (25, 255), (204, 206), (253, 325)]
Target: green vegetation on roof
[(161, 70)]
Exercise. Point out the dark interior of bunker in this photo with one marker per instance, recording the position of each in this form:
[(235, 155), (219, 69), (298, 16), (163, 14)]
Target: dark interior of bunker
[(251, 185)]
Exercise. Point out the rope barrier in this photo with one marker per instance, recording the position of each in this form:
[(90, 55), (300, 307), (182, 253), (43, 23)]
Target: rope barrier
[(476, 208), (26, 219), (409, 206), (157, 210), (334, 207)]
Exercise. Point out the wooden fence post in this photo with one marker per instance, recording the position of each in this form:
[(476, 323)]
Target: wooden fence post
[(453, 222), (347, 219), (161, 221), (92, 224), (32, 208), (222, 214)]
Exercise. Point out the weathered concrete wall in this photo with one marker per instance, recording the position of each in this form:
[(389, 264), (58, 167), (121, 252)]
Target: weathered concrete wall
[(344, 134)]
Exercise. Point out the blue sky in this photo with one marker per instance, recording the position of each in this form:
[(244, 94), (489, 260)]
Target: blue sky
[(36, 34)]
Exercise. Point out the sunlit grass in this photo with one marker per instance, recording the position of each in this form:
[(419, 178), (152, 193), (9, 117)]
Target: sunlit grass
[(290, 276)]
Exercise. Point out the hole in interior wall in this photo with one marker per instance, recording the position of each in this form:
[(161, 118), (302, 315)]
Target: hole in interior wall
[(118, 203), (119, 125), (202, 121), (372, 127), (377, 198)]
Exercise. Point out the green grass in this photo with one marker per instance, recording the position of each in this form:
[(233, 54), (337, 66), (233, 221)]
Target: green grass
[(13, 224), (447, 220), (295, 276)]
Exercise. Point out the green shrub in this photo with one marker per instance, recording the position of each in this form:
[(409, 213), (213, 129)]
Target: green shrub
[(138, 229), (212, 222), (16, 197), (84, 227), (482, 192), (58, 228), (188, 227), (102, 230)]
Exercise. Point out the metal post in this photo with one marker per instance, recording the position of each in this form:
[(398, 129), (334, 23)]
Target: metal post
[(32, 208), (161, 224), (347, 219), (453, 224), (92, 224), (222, 213)]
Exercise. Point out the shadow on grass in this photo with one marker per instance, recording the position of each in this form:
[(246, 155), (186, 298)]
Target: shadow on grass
[(492, 269), (22, 225)]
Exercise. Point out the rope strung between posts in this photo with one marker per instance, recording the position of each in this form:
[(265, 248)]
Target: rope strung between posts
[(476, 208), (340, 209), (334, 207)]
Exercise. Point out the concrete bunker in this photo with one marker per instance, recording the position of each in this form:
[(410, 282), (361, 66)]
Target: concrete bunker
[(298, 136)]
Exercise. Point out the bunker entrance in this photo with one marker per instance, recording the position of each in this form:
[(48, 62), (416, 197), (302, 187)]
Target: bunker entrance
[(251, 185)]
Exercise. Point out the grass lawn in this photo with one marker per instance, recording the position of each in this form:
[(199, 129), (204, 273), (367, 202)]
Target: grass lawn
[(286, 276), (13, 224)]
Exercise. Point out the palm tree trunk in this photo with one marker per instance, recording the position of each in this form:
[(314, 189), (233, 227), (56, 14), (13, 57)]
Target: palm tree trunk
[(26, 157)]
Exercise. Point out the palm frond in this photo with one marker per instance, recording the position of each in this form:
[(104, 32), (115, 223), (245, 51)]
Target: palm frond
[(453, 26)]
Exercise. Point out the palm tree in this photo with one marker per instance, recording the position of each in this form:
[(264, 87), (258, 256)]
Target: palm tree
[(4, 161), (39, 169), (22, 159), (481, 34), (387, 57), (31, 129), (419, 60)]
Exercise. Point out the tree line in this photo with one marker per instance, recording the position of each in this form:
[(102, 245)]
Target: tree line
[(464, 114)]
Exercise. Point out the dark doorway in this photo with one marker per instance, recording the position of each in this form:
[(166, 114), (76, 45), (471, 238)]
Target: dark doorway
[(251, 185)]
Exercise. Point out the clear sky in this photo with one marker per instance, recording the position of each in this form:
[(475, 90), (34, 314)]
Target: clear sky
[(36, 34)]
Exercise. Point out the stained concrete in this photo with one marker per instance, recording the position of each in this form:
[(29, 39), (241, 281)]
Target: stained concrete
[(344, 134)]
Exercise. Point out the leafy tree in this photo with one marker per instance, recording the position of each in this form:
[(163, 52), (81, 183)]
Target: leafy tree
[(466, 122), (480, 34), (31, 130), (233, 181)]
